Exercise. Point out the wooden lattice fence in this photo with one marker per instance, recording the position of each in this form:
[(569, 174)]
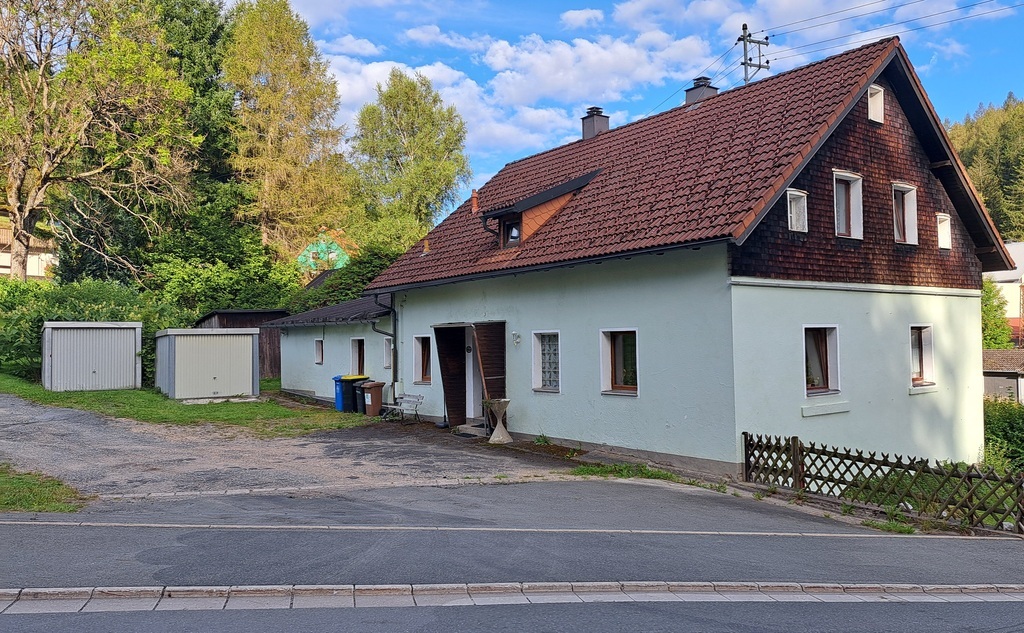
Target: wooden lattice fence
[(964, 495)]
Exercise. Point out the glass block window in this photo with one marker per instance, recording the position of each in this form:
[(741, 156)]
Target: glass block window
[(548, 361)]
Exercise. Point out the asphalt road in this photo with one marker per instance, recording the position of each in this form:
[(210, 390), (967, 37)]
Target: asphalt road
[(550, 531)]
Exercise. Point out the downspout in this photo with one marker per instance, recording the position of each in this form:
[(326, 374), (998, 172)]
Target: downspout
[(394, 339)]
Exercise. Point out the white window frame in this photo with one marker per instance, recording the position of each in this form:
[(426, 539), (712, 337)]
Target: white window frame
[(876, 103), (538, 374), (354, 356), (856, 202), (606, 362), (945, 230), (909, 212), (832, 343), (389, 350), (417, 367), (318, 351), (796, 207), (927, 355)]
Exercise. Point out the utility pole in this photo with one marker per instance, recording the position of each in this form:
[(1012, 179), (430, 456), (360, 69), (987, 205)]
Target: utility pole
[(748, 60)]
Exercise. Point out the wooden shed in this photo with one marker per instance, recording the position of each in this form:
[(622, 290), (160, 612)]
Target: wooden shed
[(270, 338)]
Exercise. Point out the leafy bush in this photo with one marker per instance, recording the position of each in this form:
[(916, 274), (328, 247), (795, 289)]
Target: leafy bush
[(27, 308), (346, 283), (1004, 431)]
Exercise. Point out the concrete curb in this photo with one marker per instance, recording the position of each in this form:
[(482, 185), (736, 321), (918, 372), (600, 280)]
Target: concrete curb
[(226, 591)]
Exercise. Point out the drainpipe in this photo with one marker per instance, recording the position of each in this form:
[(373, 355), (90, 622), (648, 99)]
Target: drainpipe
[(394, 339)]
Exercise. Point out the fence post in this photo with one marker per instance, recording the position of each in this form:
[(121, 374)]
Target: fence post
[(796, 457), (746, 456)]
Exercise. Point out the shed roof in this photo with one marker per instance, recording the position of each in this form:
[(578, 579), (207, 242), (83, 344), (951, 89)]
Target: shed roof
[(1003, 360), (361, 310), (691, 175)]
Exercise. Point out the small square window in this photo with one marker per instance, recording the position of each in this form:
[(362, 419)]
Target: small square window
[(511, 229), (422, 359), (921, 358), (546, 362), (876, 104), (619, 368), (904, 213), (389, 350), (318, 351), (821, 356), (358, 357), (945, 231), (848, 204), (796, 202)]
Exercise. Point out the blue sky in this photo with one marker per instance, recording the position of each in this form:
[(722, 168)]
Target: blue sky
[(522, 73)]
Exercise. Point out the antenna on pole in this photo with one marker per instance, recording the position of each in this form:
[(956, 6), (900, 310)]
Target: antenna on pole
[(748, 61)]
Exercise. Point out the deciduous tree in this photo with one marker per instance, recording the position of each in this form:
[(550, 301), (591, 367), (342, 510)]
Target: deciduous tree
[(995, 330), (409, 151), (92, 114)]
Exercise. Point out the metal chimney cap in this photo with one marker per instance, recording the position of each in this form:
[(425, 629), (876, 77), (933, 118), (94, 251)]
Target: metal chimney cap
[(701, 82)]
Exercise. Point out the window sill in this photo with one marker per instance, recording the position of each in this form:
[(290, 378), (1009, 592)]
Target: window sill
[(929, 387), (421, 382), (821, 392), (619, 392), (812, 410), (546, 390)]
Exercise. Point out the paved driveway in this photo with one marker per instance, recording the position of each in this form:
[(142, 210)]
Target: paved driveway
[(122, 457)]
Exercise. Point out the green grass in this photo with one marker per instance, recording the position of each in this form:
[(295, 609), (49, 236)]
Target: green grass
[(623, 471), (32, 492), (889, 526), (263, 419)]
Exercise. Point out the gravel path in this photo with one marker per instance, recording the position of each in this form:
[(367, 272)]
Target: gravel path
[(106, 456)]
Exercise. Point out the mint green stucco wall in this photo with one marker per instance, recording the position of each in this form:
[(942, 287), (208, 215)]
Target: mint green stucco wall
[(944, 422), (300, 373), (678, 302)]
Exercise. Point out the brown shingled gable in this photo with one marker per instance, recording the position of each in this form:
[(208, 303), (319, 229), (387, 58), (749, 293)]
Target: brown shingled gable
[(690, 175)]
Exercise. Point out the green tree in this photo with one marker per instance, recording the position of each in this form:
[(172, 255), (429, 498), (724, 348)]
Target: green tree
[(346, 283), (285, 132), (409, 151), (991, 145), (995, 330), (92, 117)]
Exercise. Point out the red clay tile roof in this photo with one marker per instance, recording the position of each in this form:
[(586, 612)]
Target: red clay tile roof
[(693, 174), (1003, 360)]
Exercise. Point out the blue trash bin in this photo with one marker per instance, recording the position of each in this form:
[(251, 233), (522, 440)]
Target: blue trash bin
[(339, 404)]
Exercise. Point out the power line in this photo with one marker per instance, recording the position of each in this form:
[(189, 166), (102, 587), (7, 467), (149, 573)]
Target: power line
[(825, 15), (719, 58), (849, 17), (910, 30)]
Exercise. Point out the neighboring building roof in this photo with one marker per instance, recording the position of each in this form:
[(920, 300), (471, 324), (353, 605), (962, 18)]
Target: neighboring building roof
[(277, 311), (1016, 250), (695, 174), (1003, 360), (362, 310), (319, 280)]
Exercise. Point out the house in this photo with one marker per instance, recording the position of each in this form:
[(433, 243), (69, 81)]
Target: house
[(42, 255), (349, 338), (1004, 372), (1009, 283), (269, 342), (797, 256)]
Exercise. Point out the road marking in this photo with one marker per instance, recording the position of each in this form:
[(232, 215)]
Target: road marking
[(511, 530)]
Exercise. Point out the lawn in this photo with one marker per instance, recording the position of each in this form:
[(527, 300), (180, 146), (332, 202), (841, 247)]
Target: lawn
[(264, 419), (32, 492)]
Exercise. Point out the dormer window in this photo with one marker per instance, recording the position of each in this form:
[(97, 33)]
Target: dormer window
[(511, 229)]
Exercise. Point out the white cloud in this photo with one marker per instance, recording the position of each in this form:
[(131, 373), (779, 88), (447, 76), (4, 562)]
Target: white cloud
[(430, 34), (644, 15), (600, 70), (582, 18), (348, 45)]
